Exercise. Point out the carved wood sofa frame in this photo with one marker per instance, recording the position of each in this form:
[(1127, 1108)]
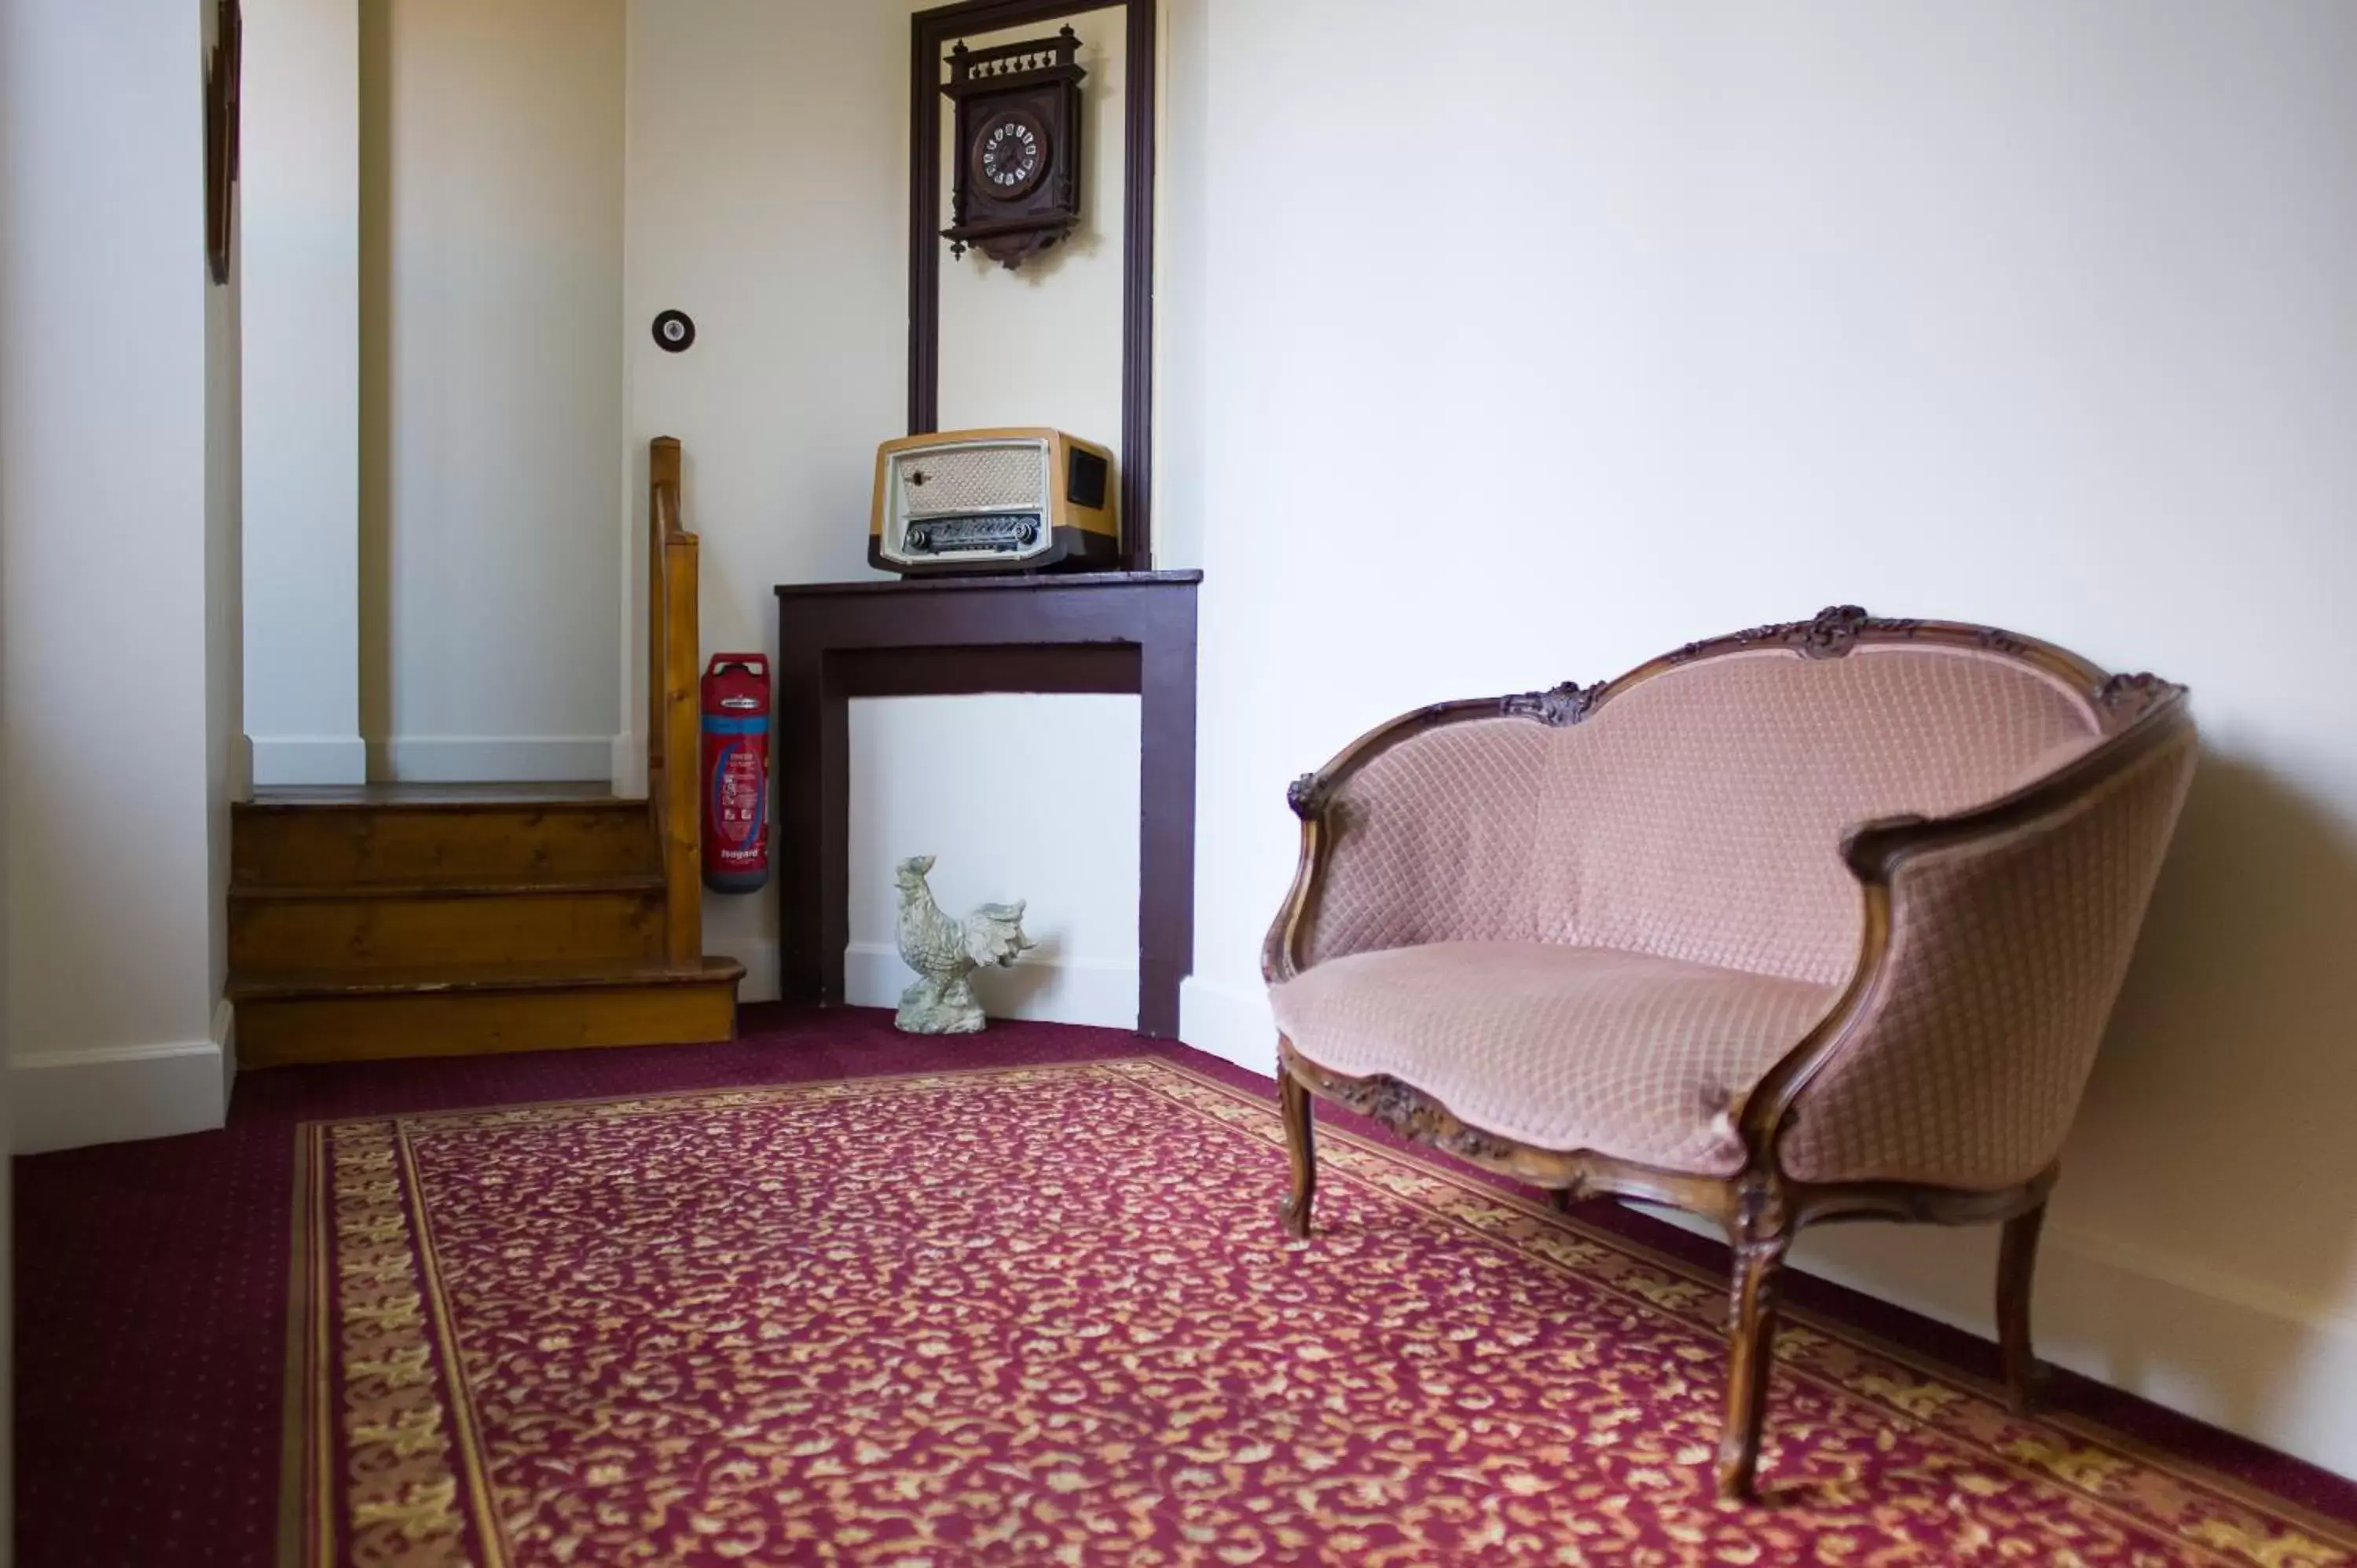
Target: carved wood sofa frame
[(1760, 1208)]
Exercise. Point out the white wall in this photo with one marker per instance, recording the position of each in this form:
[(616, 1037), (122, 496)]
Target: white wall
[(791, 266), (491, 394), (301, 200), (2018, 312), (796, 374), (1182, 399), (117, 520)]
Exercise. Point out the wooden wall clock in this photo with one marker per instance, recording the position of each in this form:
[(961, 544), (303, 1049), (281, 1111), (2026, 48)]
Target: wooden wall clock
[(1016, 164)]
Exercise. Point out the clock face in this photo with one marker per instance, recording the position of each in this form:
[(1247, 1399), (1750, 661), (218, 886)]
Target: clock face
[(1011, 153)]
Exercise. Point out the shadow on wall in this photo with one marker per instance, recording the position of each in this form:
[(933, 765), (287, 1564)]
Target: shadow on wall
[(2215, 1131), (1015, 992), (2204, 1235)]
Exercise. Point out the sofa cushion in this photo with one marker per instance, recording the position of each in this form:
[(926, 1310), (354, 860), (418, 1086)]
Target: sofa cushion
[(1562, 1047)]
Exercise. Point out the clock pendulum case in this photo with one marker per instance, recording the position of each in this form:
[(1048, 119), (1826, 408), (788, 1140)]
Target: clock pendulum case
[(1016, 186)]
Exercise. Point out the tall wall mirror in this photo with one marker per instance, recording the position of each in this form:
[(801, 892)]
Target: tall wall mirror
[(1037, 328)]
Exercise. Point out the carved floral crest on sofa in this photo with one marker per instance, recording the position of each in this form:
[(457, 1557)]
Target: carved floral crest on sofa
[(1815, 921)]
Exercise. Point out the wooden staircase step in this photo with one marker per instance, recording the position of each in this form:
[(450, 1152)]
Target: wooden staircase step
[(477, 887), (373, 1014), (365, 797), (393, 835), (581, 921)]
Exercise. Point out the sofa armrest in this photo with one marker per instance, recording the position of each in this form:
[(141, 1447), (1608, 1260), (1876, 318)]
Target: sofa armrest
[(1418, 832), (1996, 943)]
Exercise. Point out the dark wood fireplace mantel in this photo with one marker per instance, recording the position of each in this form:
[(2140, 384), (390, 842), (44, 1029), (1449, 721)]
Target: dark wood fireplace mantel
[(1101, 631)]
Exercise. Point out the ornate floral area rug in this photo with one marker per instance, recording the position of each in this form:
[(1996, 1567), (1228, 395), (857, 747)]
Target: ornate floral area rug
[(1045, 1316)]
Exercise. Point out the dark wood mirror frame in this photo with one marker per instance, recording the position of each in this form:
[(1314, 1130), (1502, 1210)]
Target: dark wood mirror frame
[(224, 74), (931, 34)]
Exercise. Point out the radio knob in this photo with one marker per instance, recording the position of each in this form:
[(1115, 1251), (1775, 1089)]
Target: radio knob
[(1028, 532), (919, 539)]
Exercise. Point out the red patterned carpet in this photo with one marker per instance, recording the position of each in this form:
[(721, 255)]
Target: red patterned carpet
[(810, 1297)]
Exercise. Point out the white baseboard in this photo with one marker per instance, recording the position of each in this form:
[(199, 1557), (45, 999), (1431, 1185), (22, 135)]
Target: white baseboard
[(492, 759), (1059, 990), (65, 1100), (1231, 1022), (760, 956), (626, 766), (309, 759), (1097, 991)]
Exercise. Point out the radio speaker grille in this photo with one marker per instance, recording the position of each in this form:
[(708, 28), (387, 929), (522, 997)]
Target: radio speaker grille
[(976, 479)]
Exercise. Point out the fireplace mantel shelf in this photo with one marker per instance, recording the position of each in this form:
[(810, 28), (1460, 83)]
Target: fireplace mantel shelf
[(1123, 632), (1010, 582)]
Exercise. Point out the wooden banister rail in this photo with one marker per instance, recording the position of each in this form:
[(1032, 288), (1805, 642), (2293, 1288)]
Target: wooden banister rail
[(673, 649)]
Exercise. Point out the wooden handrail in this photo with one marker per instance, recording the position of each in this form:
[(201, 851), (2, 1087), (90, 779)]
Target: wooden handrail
[(673, 649)]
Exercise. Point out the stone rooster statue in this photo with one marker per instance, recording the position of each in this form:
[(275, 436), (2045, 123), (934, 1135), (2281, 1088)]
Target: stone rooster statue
[(945, 951)]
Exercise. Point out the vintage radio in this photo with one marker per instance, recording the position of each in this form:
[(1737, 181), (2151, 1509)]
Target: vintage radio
[(992, 501)]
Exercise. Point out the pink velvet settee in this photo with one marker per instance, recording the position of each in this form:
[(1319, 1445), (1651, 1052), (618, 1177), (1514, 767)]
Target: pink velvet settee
[(1816, 922)]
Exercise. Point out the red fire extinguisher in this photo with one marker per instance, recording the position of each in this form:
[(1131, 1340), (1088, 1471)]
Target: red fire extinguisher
[(737, 772)]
